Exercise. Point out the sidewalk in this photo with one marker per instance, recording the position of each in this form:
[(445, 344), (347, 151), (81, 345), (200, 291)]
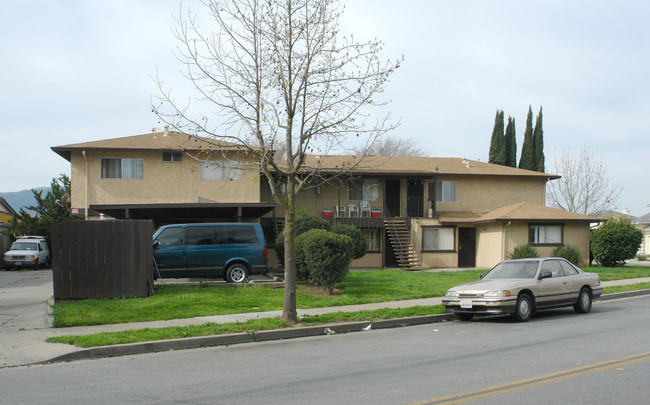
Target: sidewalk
[(22, 346)]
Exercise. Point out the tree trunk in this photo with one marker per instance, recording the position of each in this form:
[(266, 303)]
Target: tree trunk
[(289, 309)]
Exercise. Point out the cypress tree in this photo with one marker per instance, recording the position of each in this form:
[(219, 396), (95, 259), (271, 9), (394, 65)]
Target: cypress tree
[(527, 160), (497, 143), (511, 143), (538, 137)]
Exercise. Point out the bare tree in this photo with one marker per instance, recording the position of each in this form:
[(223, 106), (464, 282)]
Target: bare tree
[(390, 146), (266, 73), (585, 186)]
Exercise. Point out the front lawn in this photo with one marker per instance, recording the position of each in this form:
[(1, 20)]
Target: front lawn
[(174, 302)]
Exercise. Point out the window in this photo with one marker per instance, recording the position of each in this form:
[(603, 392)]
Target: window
[(363, 190), (221, 170), (438, 239), (240, 234), (545, 234), (122, 168), (172, 156), (569, 270), (205, 235), (554, 267), (372, 238), (171, 237), (446, 191)]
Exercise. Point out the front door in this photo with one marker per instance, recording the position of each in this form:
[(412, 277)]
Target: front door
[(415, 198), (466, 247), (392, 197)]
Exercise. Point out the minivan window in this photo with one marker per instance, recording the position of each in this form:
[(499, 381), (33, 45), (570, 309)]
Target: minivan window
[(205, 235), (171, 237), (240, 234)]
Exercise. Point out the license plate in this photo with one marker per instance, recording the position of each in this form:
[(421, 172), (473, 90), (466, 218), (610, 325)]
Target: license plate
[(466, 303), (19, 263)]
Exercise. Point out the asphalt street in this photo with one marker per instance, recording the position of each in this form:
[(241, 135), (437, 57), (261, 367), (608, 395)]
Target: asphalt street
[(557, 357), (25, 324)]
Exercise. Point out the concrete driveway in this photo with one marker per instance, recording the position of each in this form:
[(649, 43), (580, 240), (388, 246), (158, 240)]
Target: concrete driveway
[(24, 299)]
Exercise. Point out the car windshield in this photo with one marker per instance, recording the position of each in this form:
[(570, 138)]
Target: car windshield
[(518, 269), (23, 246)]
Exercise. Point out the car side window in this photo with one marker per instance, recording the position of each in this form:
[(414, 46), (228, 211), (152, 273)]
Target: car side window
[(569, 270), (171, 237), (554, 267), (205, 235), (240, 234)]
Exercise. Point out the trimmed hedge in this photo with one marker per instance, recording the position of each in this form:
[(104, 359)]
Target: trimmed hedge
[(305, 220), (570, 253), (615, 241), (523, 252), (324, 257), (359, 244)]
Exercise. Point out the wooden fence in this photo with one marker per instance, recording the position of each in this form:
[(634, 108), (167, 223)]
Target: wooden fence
[(102, 259)]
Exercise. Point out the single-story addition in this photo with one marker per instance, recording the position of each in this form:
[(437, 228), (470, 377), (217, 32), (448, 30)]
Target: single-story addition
[(414, 212)]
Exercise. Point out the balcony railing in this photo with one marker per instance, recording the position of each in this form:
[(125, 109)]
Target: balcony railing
[(333, 207)]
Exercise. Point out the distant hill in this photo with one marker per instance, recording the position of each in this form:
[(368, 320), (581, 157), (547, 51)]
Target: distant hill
[(22, 199)]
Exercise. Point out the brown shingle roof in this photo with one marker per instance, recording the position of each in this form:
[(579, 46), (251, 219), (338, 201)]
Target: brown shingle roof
[(174, 141), (523, 211), (423, 167), (413, 166)]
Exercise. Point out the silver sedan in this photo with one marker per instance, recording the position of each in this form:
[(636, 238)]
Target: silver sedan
[(521, 287)]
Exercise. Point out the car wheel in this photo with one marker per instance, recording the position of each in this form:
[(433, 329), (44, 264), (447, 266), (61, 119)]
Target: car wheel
[(584, 301), (464, 317), (237, 273), (37, 265), (524, 308)]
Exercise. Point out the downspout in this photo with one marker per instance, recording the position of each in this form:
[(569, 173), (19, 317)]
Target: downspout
[(503, 241), (83, 152)]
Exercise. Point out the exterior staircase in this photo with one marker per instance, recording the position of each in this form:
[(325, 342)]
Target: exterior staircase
[(400, 238)]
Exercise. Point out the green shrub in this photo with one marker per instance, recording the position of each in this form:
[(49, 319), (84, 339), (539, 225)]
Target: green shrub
[(324, 257), (615, 241), (359, 244), (305, 220), (569, 253), (523, 252), (642, 258)]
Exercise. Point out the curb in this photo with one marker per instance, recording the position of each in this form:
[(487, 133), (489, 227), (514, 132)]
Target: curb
[(237, 338), (625, 294)]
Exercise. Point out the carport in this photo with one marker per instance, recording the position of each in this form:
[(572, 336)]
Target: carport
[(163, 214)]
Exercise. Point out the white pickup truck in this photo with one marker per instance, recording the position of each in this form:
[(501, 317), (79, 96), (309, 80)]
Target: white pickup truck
[(27, 252)]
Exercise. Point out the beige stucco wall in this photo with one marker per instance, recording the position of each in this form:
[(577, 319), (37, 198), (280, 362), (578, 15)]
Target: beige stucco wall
[(432, 259), (370, 260), (162, 182), (483, 194), (574, 234), (489, 244)]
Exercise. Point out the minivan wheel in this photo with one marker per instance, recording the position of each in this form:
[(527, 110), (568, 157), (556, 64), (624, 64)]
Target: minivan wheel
[(237, 273)]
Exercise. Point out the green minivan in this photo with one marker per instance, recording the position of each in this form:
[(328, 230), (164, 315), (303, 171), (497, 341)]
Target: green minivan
[(228, 250)]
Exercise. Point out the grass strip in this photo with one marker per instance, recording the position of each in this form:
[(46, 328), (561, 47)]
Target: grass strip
[(624, 288), (252, 326)]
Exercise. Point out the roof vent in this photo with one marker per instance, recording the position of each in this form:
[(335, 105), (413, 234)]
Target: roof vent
[(166, 133)]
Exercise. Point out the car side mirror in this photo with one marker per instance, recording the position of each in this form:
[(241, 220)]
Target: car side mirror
[(545, 274), (481, 276), (156, 243)]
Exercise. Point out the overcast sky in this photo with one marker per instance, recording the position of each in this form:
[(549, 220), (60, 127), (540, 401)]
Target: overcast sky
[(77, 71)]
